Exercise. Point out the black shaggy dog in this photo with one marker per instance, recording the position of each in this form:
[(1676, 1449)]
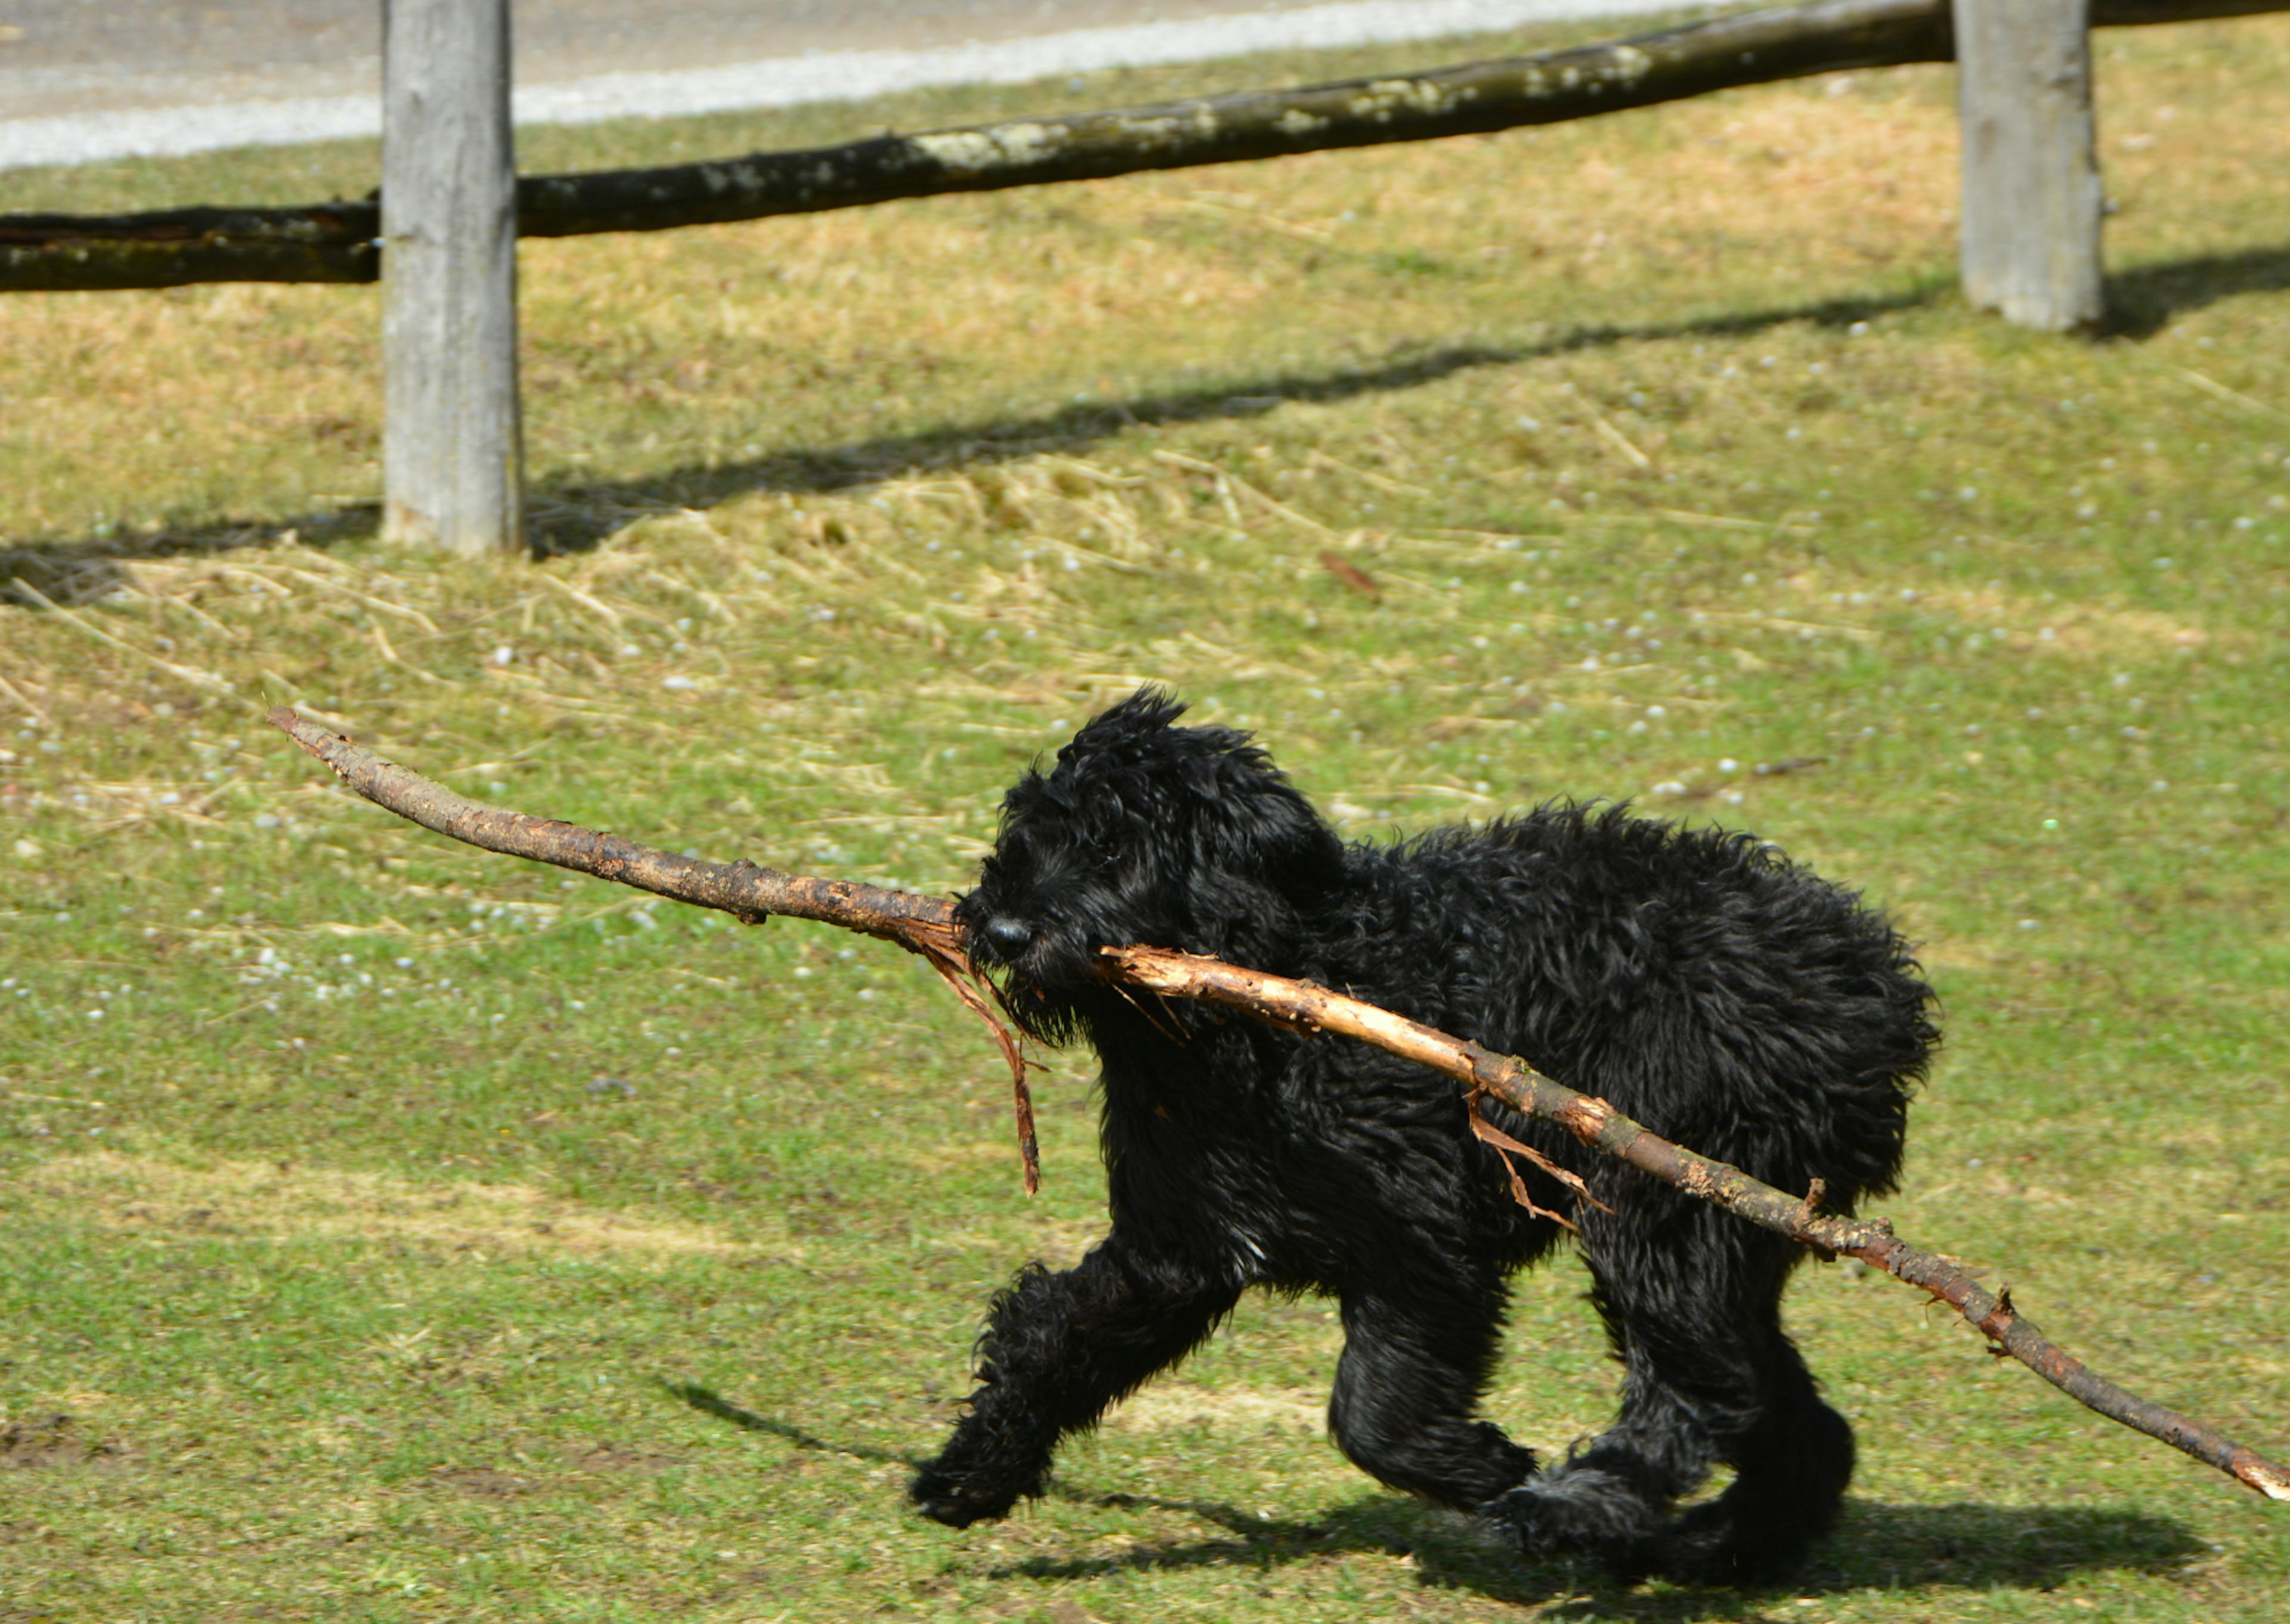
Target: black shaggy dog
[(1725, 998)]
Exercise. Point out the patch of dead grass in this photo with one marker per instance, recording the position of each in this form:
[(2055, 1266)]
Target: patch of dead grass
[(271, 1202), (1165, 1406)]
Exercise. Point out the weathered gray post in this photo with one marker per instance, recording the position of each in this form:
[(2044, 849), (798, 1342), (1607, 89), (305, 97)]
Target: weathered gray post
[(453, 441), (2031, 187)]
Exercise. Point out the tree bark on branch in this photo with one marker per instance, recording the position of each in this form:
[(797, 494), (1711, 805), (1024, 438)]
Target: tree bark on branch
[(925, 925), (339, 241)]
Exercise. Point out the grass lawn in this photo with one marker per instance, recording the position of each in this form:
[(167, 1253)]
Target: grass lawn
[(392, 1232)]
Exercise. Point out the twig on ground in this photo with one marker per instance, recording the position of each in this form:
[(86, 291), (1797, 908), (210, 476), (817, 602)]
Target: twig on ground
[(926, 925)]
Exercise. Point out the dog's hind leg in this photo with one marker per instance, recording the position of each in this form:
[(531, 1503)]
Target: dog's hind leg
[(1692, 1299), (1057, 1349), (1417, 1355)]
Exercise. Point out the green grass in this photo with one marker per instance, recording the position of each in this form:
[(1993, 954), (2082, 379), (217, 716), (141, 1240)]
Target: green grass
[(409, 1234)]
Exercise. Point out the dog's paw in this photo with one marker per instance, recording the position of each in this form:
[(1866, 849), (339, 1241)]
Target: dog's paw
[(1710, 1544), (958, 1498), (1578, 1513)]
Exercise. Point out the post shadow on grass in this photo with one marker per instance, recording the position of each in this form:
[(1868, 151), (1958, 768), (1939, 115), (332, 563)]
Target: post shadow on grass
[(1965, 1546), (577, 516), (565, 517)]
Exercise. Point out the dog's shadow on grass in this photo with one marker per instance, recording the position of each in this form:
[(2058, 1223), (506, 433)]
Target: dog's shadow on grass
[(574, 516), (1965, 1546)]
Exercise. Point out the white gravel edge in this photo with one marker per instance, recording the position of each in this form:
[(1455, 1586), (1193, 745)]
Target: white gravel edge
[(819, 75)]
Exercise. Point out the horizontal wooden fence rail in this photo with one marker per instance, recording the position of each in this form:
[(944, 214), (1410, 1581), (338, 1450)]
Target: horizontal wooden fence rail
[(339, 241)]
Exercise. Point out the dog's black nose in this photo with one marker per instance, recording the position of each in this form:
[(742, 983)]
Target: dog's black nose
[(1011, 935)]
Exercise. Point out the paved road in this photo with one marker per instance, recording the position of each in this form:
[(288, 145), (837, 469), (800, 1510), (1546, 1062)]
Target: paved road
[(88, 78), (83, 56)]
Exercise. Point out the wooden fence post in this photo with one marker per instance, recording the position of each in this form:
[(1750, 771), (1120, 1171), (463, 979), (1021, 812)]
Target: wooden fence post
[(2031, 187), (453, 441)]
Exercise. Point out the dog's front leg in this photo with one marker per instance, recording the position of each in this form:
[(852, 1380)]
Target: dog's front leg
[(1057, 1349), (1418, 1351)]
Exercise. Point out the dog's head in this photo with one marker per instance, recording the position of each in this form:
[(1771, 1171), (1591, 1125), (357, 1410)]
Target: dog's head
[(1145, 832)]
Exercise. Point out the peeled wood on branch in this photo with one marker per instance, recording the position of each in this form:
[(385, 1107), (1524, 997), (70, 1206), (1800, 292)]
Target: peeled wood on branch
[(338, 242), (926, 925)]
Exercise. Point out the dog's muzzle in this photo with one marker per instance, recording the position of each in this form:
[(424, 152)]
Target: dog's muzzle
[(1006, 936)]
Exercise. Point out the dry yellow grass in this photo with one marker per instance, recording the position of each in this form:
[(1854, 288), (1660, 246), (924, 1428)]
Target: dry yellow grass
[(286, 1202)]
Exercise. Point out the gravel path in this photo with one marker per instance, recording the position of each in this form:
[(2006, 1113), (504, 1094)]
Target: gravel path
[(88, 79)]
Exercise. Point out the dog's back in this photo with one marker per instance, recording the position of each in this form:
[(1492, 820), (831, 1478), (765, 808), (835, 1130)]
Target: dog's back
[(1701, 982)]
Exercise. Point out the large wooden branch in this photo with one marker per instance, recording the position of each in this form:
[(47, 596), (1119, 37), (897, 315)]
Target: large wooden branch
[(926, 925), (339, 241)]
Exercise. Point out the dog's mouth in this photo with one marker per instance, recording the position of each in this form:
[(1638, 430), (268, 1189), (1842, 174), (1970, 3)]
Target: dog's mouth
[(1041, 968), (1038, 958)]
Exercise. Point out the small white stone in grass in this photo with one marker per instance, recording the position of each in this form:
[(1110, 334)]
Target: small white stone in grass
[(1638, 727), (681, 684), (1729, 766), (630, 648), (2160, 784), (2051, 823), (402, 964), (2163, 563), (2026, 925), (1669, 786), (1858, 329), (266, 821), (502, 655), (2245, 524), (1967, 493), (1656, 711), (95, 1014), (802, 972), (1732, 797)]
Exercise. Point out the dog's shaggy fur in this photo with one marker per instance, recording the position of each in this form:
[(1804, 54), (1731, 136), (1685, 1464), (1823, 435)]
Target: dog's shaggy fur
[(1728, 1000)]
